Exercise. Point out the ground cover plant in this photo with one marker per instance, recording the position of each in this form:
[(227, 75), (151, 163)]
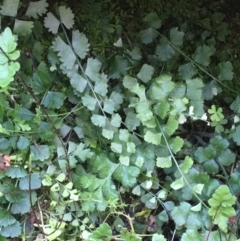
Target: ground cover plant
[(119, 122)]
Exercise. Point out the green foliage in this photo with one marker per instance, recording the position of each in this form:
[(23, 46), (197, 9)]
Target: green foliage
[(221, 207), (202, 55), (217, 118), (8, 55), (108, 116), (103, 232), (225, 71), (215, 155), (36, 9), (9, 8)]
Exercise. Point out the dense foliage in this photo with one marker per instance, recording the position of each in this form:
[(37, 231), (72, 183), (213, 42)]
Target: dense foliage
[(119, 124)]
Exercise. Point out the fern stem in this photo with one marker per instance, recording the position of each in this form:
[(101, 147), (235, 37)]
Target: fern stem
[(46, 115), (179, 169), (198, 66), (210, 229), (85, 76), (202, 69)]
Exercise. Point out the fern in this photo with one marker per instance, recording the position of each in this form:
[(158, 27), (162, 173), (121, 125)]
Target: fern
[(221, 207), (123, 111), (99, 189)]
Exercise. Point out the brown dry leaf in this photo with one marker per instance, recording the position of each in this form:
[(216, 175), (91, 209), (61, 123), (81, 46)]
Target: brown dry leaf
[(232, 220), (5, 162), (152, 224), (40, 237), (32, 219)]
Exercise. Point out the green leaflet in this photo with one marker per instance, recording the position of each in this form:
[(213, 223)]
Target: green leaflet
[(202, 55), (153, 20), (184, 216), (171, 126), (37, 8), (116, 147), (6, 218), (98, 120), (118, 67), (158, 237), (154, 138), (23, 143), (135, 55), (80, 49), (131, 121), (89, 102), (127, 175), (105, 168), (187, 71), (176, 37), (8, 55), (78, 82), (34, 182), (162, 108), (117, 97), (225, 71), (194, 93), (53, 100), (145, 114), (164, 162), (101, 187), (13, 230), (16, 172), (148, 35), (93, 68), (215, 153), (116, 120), (66, 17), (162, 87), (145, 73), (108, 106), (165, 51), (25, 114), (180, 213), (41, 79), (9, 7), (126, 235), (176, 144), (210, 90), (216, 115), (22, 27), (149, 200), (236, 136), (235, 105), (234, 182), (221, 207), (102, 232), (186, 164), (23, 206), (204, 154), (129, 81), (177, 184), (38, 51), (101, 86), (51, 23), (192, 235), (4, 144), (65, 52)]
